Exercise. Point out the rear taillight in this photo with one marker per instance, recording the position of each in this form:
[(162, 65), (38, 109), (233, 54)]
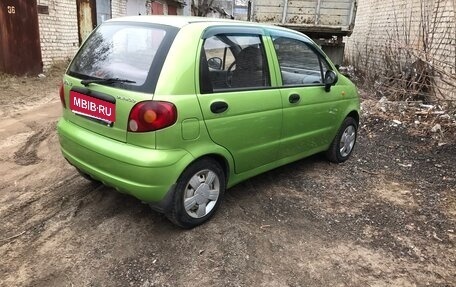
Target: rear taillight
[(151, 116), (62, 96)]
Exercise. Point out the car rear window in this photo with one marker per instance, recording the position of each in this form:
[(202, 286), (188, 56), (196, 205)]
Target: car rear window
[(127, 51)]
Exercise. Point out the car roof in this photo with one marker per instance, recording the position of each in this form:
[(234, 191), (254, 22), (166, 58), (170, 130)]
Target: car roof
[(181, 21), (176, 21)]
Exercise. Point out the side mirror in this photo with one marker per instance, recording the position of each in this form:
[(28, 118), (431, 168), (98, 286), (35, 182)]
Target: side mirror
[(330, 80), (215, 63)]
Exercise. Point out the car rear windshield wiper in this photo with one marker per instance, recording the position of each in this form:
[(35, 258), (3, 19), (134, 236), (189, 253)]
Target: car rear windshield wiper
[(106, 81)]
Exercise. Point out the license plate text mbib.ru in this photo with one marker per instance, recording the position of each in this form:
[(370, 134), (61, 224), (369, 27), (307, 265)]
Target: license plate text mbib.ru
[(93, 107)]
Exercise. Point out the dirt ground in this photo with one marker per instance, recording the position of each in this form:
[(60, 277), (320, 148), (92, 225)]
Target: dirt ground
[(384, 218)]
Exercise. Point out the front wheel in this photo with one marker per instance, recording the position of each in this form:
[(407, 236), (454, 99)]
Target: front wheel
[(344, 142), (198, 193)]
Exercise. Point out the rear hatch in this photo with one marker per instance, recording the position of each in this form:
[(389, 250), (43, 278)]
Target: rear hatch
[(117, 67)]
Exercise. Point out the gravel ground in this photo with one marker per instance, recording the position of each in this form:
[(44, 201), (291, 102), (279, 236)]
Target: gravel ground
[(386, 217)]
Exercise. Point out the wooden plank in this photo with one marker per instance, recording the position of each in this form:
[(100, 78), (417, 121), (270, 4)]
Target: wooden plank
[(87, 18), (336, 5), (334, 12), (302, 4), (348, 2), (268, 3), (325, 16), (333, 20), (301, 11), (268, 10), (267, 17), (300, 19)]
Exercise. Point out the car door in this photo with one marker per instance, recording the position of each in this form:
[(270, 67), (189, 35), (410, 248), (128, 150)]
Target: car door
[(309, 112), (241, 112)]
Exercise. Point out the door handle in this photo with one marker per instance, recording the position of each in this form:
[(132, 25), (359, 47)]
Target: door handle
[(219, 107), (294, 98)]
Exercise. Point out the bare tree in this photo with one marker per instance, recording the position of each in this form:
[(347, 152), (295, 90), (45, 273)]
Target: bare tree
[(201, 7), (416, 58)]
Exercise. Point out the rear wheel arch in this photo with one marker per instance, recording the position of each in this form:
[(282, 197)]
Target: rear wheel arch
[(220, 159), (354, 115)]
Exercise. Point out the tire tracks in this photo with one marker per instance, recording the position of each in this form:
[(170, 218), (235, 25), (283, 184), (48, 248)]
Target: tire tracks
[(27, 153)]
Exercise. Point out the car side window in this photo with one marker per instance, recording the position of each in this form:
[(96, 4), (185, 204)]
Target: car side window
[(299, 64), (233, 62)]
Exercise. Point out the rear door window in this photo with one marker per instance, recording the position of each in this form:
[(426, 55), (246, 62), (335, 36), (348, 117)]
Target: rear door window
[(128, 51)]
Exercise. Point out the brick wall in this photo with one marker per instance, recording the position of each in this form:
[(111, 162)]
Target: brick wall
[(444, 47), (119, 8), (391, 35), (378, 22), (59, 29)]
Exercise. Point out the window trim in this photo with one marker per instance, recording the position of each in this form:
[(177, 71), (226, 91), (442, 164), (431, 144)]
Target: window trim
[(232, 31), (205, 81), (274, 33)]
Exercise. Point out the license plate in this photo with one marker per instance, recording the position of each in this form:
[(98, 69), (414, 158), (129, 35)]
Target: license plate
[(92, 107)]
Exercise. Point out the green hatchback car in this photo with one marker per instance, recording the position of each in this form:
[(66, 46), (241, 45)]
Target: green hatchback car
[(174, 110)]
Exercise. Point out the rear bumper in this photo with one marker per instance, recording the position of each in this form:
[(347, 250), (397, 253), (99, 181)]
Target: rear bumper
[(146, 174)]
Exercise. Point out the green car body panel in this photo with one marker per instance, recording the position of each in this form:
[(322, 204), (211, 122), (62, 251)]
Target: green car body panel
[(260, 130)]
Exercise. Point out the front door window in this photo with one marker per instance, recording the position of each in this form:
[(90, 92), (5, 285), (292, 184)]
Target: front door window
[(242, 62), (299, 64)]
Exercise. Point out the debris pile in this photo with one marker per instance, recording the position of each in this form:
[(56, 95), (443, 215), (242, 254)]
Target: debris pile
[(349, 71), (436, 120)]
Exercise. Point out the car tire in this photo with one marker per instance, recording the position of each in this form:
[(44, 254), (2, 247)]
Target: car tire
[(198, 193), (343, 144)]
